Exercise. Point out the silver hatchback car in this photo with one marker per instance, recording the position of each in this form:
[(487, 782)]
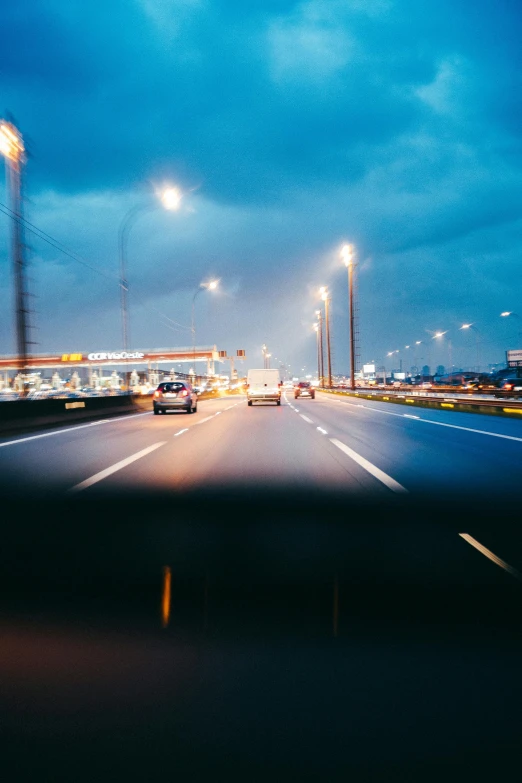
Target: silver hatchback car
[(175, 396)]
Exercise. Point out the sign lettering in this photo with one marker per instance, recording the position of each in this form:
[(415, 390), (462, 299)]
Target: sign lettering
[(112, 355)]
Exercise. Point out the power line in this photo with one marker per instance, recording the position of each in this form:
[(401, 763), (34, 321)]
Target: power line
[(75, 257), (54, 242)]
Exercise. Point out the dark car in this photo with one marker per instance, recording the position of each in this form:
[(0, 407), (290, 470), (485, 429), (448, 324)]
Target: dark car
[(175, 395), (511, 384), (304, 389)]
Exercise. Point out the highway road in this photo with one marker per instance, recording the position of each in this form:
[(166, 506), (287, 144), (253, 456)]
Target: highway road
[(331, 443), (310, 636)]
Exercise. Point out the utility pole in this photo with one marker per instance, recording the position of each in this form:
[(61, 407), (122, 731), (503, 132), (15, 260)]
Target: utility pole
[(12, 147)]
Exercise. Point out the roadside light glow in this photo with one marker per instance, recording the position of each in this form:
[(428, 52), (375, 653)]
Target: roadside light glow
[(466, 326), (213, 284), (418, 342), (11, 144), (439, 334), (171, 198), (347, 254), (506, 313)]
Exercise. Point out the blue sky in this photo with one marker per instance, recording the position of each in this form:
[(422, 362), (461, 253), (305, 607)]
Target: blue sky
[(291, 128)]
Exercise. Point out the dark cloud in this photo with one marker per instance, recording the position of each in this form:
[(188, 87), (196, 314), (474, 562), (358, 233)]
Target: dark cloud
[(291, 127)]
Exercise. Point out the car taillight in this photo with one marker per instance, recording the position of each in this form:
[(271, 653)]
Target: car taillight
[(157, 393), (508, 386), (184, 393)]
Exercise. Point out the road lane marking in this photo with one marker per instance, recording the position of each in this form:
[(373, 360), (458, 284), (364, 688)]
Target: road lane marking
[(409, 416), (490, 555), (114, 468), (72, 429), (180, 432), (306, 418), (202, 421), (370, 467), (440, 423), (323, 431)]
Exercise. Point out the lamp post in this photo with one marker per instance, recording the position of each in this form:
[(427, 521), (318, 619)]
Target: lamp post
[(325, 296), (477, 342), (13, 150), (319, 314), (390, 353), (347, 256), (171, 199), (211, 286), (416, 358), (509, 313), (316, 329), (438, 335)]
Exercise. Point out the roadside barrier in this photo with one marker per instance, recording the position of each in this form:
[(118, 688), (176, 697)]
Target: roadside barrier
[(444, 401)]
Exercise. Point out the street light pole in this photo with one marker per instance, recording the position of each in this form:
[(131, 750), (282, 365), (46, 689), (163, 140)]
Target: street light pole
[(316, 329), (202, 287), (171, 198), (326, 299), (477, 342), (319, 314), (12, 148), (347, 255), (515, 315)]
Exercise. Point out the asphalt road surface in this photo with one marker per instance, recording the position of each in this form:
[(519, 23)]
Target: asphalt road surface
[(329, 443), (325, 590)]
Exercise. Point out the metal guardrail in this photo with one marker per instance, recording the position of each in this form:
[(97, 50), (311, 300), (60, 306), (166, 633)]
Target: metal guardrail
[(503, 403)]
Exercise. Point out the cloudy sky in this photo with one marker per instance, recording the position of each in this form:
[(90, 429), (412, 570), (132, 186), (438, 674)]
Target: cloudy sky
[(291, 128)]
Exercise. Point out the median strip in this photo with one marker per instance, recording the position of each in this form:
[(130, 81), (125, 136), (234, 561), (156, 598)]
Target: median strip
[(370, 467), (114, 468)]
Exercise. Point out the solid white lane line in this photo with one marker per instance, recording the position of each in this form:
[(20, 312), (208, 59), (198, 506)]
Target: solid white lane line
[(490, 555), (407, 416), (440, 423), (370, 467), (114, 468), (306, 418), (72, 429)]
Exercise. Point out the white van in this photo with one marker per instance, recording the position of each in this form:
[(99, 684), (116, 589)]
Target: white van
[(263, 385)]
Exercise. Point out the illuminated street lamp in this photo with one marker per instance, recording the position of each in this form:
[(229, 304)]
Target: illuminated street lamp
[(477, 341), (13, 150), (326, 299), (416, 358), (441, 334), (171, 200), (347, 254), (210, 286), (508, 313)]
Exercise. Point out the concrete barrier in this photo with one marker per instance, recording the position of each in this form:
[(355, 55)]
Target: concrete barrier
[(23, 415), (18, 416)]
